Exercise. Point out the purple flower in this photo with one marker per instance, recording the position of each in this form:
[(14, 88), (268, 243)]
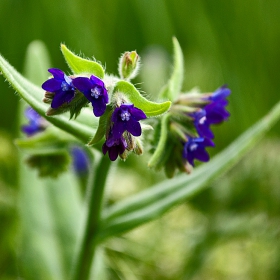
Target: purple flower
[(213, 113), (114, 147), (126, 118), (80, 160), (94, 90), (61, 85), (194, 148), (36, 122)]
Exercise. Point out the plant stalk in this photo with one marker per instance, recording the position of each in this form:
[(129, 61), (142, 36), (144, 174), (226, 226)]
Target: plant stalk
[(89, 242)]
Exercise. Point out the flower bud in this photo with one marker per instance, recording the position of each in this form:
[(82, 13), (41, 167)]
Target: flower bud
[(129, 65)]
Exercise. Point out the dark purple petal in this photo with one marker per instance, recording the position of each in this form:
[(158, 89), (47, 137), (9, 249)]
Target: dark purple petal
[(201, 154), (80, 160), (220, 93), (138, 114), (62, 97), (134, 128), (96, 81), (208, 143), (194, 148), (118, 129), (57, 73), (126, 117), (52, 85), (113, 153), (204, 130), (83, 84), (114, 147), (99, 107), (36, 122), (115, 114)]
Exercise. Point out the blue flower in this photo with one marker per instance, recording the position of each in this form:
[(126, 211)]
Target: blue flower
[(194, 148), (36, 122), (80, 160), (114, 147), (213, 113), (62, 87), (94, 90), (126, 118)]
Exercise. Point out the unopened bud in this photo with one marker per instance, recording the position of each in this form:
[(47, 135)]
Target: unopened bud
[(129, 65)]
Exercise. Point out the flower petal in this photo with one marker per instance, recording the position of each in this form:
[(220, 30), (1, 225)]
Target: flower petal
[(83, 84), (57, 73), (137, 114), (61, 97), (134, 127), (96, 81), (51, 85)]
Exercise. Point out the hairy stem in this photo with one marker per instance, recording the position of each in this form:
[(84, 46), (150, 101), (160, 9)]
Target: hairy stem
[(89, 242)]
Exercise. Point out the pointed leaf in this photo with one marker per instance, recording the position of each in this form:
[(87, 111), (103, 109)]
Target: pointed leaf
[(172, 90), (81, 65), (33, 95), (155, 201), (151, 109)]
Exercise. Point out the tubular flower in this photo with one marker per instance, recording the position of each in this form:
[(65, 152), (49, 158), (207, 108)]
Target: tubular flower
[(194, 148), (126, 118), (62, 87), (94, 90), (114, 147), (36, 122), (213, 113)]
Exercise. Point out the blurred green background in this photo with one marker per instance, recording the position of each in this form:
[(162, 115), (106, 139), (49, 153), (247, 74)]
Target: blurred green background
[(232, 230)]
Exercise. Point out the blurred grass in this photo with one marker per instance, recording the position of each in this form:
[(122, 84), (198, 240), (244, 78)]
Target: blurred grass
[(234, 42)]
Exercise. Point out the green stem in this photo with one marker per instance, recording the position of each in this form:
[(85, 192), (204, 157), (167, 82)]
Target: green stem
[(89, 242)]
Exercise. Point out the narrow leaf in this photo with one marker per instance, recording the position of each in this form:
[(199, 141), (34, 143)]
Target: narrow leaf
[(151, 109), (81, 65), (101, 130), (155, 201), (157, 159), (172, 90), (33, 95)]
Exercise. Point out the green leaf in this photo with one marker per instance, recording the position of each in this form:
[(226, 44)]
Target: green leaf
[(162, 150), (49, 225), (101, 130), (49, 141), (82, 128), (155, 201), (151, 109), (172, 90), (81, 65)]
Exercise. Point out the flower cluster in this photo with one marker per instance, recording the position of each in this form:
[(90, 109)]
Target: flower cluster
[(187, 130), (123, 121), (64, 92), (213, 112), (124, 125)]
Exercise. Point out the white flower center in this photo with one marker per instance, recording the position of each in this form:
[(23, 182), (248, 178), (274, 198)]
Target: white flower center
[(202, 120), (65, 86), (125, 116), (193, 147), (95, 92)]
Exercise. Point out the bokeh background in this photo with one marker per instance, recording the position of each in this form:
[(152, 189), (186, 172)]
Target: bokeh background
[(230, 231)]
